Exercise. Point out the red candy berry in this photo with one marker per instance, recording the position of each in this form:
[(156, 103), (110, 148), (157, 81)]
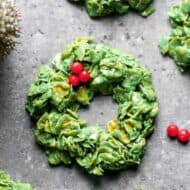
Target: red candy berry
[(183, 135), (76, 68), (172, 130), (74, 80), (84, 76)]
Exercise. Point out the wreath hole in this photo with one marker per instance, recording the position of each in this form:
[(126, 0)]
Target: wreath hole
[(101, 110)]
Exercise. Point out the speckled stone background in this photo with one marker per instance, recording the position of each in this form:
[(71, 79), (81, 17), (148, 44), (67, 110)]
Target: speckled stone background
[(49, 25)]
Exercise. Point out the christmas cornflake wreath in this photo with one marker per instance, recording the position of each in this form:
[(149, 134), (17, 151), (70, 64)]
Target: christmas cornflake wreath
[(177, 45), (6, 183), (54, 98), (99, 8)]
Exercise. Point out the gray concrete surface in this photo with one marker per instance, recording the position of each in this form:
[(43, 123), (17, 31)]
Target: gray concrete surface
[(47, 27)]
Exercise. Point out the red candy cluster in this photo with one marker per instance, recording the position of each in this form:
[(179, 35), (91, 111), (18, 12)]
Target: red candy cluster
[(79, 75), (173, 131)]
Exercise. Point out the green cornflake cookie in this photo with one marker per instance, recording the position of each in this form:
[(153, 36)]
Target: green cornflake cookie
[(53, 102), (6, 183), (177, 45), (98, 8)]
